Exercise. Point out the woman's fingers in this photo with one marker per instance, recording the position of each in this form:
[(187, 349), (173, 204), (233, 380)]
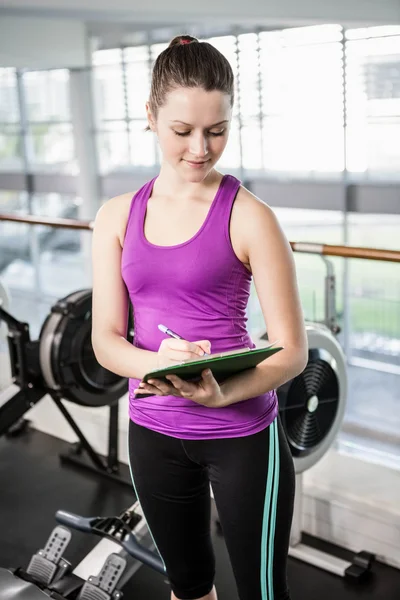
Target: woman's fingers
[(205, 345), (155, 386), (181, 350), (185, 388)]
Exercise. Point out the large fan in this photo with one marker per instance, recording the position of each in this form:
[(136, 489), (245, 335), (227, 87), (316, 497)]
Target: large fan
[(312, 404), (62, 363), (67, 360)]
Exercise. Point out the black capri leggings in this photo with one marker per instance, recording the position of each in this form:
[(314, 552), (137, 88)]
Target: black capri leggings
[(253, 483)]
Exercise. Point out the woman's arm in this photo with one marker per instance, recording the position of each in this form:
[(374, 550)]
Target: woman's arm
[(110, 298), (272, 264)]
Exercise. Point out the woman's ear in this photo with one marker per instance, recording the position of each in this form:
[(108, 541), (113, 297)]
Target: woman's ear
[(150, 118)]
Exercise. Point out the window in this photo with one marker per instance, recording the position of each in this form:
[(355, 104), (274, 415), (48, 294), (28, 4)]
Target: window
[(113, 147), (302, 100), (10, 128), (291, 89), (50, 144), (47, 95), (374, 290), (109, 93), (9, 112), (373, 103), (137, 61)]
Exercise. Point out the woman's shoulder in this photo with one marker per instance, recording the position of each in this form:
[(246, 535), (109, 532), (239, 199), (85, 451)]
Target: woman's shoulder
[(113, 215), (117, 203), (252, 218), (249, 206)]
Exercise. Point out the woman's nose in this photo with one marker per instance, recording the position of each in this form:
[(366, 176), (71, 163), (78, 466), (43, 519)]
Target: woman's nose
[(198, 146)]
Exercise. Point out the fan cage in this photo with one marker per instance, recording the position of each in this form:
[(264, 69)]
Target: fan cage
[(311, 405)]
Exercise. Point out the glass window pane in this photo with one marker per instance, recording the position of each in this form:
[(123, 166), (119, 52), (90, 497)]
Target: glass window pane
[(106, 57), (306, 225), (248, 75), (251, 144), (108, 93), (156, 49), (310, 81), (380, 31), (137, 54), (373, 105), (374, 231), (374, 290), (138, 80), (375, 147), (55, 205), (9, 111), (227, 46), (11, 157), (12, 201), (302, 99), (112, 144), (231, 156), (61, 265), (52, 147), (314, 34), (305, 146), (141, 144), (47, 95)]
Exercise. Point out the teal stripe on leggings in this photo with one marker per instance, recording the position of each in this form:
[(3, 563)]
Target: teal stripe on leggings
[(269, 518), (137, 497)]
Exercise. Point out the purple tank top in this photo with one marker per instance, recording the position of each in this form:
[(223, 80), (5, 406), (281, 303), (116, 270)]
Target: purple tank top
[(200, 290)]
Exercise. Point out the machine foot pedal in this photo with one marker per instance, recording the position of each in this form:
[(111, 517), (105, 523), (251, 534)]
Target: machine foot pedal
[(360, 567), (44, 565), (104, 585)]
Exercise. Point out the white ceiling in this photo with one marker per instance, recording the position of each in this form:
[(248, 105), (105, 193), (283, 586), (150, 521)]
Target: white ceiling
[(173, 11), (114, 20)]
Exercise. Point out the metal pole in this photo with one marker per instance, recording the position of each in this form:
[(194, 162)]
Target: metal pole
[(26, 147), (346, 198)]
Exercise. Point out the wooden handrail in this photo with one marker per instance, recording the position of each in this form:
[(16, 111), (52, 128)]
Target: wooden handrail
[(306, 247), (347, 251), (32, 220)]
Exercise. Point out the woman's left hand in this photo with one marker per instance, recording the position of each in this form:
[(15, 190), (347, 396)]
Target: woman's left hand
[(206, 391)]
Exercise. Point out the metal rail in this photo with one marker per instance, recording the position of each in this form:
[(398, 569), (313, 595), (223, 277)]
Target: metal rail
[(306, 247)]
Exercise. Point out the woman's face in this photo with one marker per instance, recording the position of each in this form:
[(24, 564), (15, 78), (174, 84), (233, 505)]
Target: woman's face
[(192, 128)]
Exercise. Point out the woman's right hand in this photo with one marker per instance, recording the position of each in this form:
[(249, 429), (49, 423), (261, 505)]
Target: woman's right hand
[(173, 351)]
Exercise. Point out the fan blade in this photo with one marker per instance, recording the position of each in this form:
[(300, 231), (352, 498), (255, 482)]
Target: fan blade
[(326, 401), (305, 431), (292, 406)]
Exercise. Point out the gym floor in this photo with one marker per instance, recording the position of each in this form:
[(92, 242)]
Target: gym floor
[(34, 485)]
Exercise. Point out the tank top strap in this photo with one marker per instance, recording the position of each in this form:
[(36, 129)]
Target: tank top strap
[(223, 208), (137, 208)]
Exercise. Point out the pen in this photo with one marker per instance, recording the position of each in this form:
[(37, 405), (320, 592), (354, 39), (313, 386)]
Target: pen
[(171, 333)]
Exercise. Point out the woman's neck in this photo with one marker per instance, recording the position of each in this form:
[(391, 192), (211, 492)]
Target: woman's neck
[(169, 183)]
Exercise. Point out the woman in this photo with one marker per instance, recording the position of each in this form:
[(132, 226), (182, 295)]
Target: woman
[(183, 249)]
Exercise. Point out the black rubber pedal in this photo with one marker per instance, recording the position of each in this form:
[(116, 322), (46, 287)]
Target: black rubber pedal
[(103, 586), (44, 564), (361, 567)]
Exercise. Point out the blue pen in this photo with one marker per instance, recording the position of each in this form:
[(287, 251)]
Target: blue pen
[(172, 334)]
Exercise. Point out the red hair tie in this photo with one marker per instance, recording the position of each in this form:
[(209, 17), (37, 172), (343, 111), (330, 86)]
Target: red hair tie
[(185, 41)]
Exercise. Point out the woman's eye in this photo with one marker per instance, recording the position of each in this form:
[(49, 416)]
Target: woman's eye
[(212, 133)]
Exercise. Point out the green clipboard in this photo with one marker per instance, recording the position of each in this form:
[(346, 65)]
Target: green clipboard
[(222, 365)]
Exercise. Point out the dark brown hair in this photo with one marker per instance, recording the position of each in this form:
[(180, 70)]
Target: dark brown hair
[(189, 63)]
